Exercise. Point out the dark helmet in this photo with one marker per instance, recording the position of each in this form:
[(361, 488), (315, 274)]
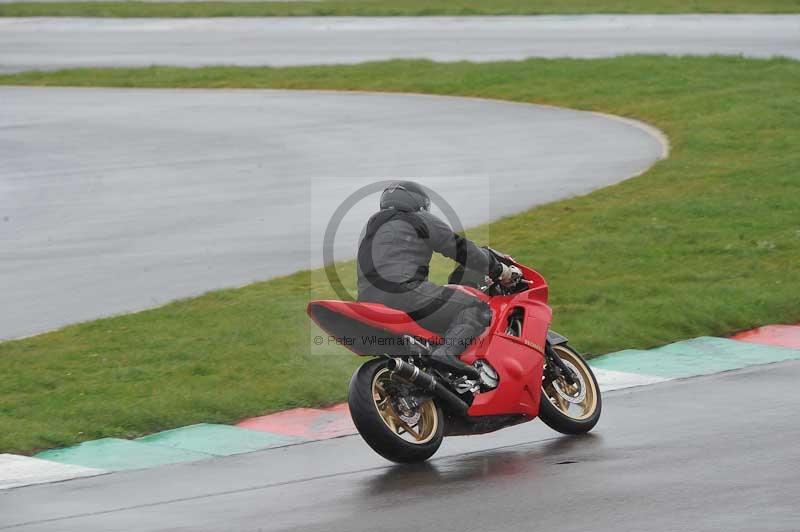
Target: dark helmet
[(405, 196)]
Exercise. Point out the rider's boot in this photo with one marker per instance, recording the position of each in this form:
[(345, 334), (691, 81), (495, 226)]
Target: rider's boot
[(443, 358), (468, 324)]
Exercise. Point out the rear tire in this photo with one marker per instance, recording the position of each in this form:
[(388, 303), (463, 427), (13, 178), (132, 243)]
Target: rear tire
[(374, 428), (555, 416)]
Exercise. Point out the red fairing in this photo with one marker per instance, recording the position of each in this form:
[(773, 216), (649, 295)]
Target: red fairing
[(518, 360)]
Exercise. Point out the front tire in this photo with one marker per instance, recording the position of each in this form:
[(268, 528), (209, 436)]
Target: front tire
[(395, 436), (571, 409)]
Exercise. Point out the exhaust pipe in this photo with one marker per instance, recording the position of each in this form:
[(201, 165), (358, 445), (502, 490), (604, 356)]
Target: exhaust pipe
[(428, 383)]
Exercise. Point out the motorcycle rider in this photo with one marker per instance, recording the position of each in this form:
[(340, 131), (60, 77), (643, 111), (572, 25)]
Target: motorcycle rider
[(393, 262)]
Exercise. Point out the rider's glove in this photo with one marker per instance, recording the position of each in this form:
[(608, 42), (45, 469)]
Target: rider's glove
[(510, 275)]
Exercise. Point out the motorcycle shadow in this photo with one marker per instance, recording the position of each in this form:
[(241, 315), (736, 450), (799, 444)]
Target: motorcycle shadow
[(519, 460)]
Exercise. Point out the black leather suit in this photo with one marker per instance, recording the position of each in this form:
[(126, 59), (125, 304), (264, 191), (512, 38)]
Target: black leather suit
[(393, 259)]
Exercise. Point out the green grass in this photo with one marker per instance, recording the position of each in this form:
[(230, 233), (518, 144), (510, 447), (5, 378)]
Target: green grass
[(705, 243), (392, 8)]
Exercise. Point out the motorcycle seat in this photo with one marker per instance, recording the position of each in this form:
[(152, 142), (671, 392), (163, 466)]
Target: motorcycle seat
[(336, 317)]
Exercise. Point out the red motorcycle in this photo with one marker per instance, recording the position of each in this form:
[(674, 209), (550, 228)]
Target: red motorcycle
[(403, 406)]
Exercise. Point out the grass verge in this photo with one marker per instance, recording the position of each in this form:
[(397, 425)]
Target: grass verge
[(391, 8), (706, 242)]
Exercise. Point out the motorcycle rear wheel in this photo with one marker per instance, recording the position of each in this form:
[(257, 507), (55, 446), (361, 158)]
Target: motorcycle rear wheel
[(395, 436), (571, 409)]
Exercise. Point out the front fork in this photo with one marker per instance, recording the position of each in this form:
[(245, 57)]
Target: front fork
[(556, 368)]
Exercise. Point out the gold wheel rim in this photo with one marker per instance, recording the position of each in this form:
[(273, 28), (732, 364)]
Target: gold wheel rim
[(579, 401), (417, 429)]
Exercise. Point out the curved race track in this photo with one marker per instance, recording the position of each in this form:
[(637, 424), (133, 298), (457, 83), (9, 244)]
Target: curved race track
[(117, 200), (120, 199)]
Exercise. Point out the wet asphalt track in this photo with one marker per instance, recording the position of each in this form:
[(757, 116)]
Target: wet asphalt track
[(175, 193), (118, 200), (703, 454), (52, 43)]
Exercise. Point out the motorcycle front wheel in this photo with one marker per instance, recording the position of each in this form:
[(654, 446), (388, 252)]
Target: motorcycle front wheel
[(571, 408), (393, 430)]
